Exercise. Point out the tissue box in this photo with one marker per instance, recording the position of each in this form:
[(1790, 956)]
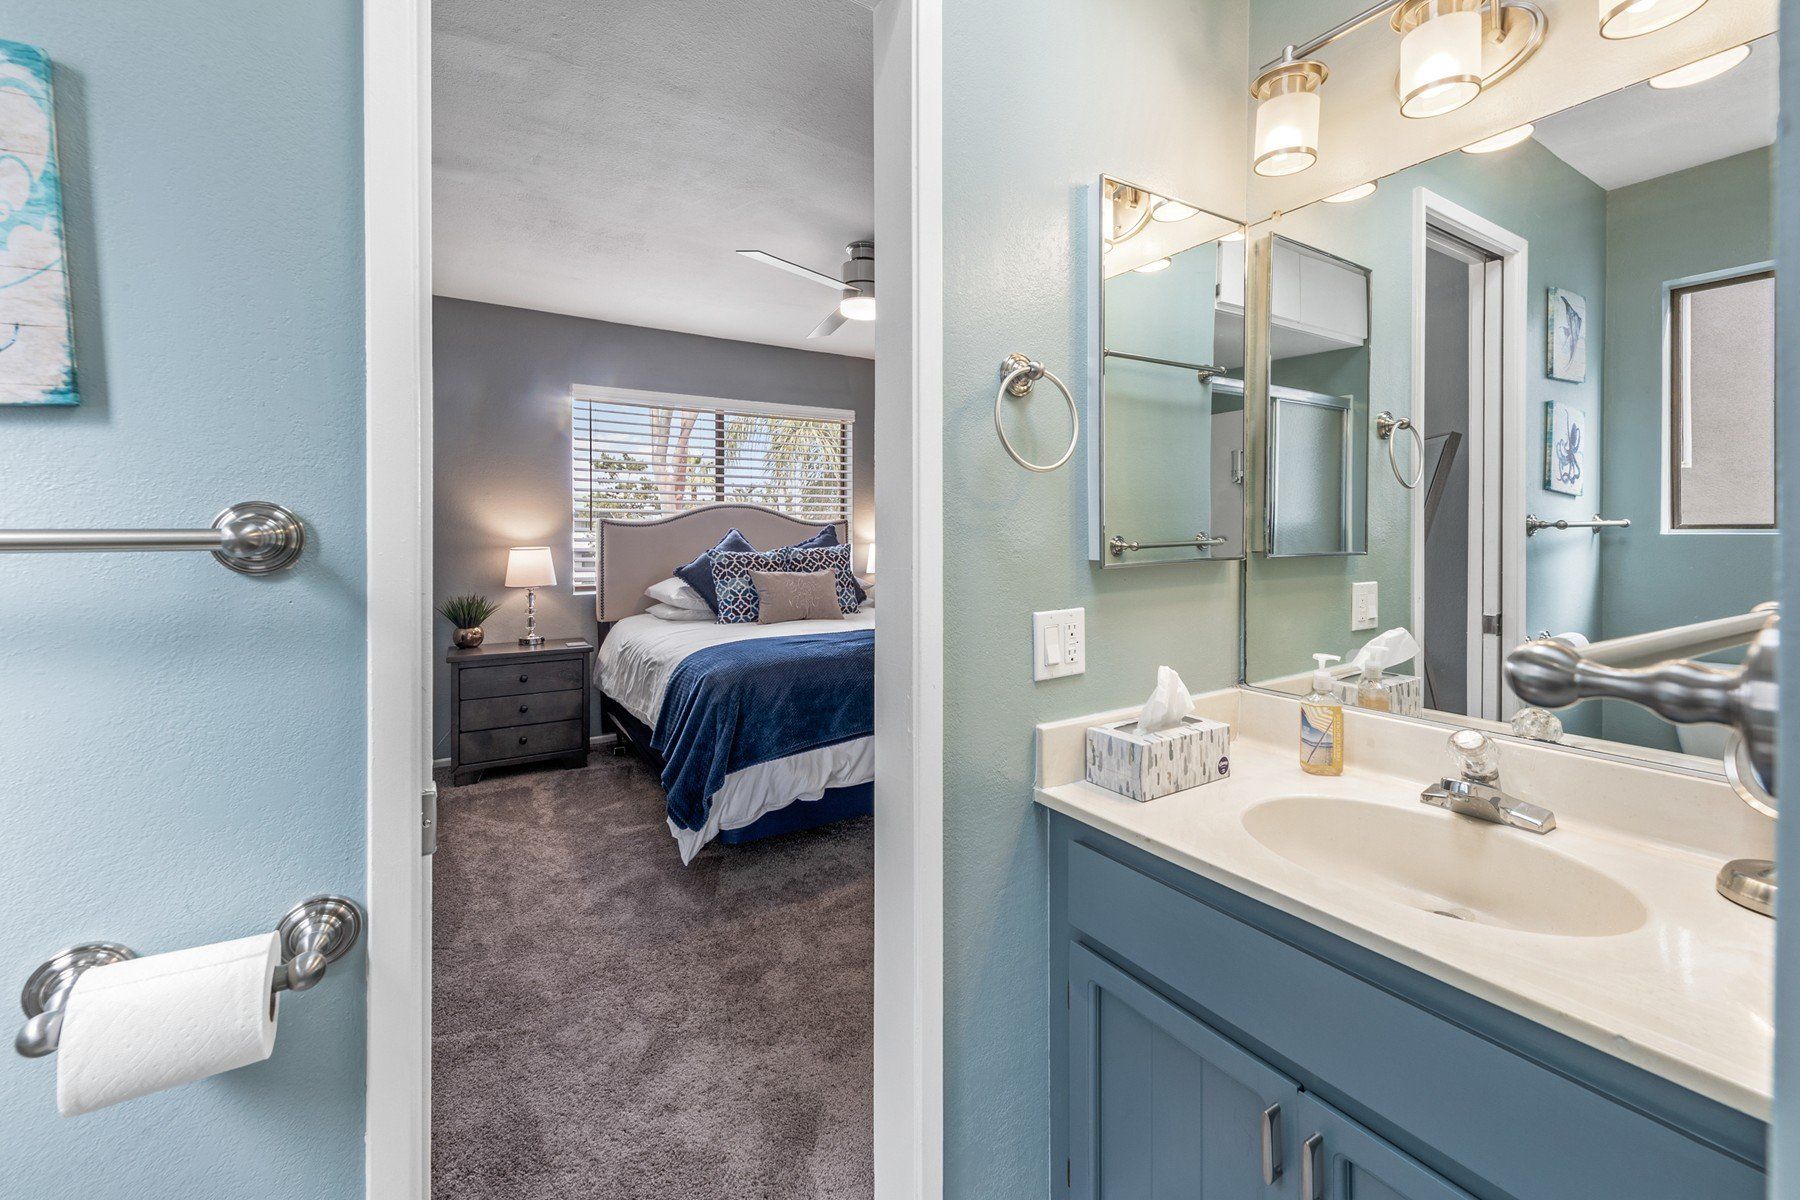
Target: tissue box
[(1406, 693), (1143, 766)]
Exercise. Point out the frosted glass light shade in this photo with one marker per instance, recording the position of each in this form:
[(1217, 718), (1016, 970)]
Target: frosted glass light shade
[(1710, 67), (1287, 133), (1440, 62), (530, 566), (857, 308), (1633, 18)]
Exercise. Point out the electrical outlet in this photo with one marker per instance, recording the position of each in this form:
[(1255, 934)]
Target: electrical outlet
[(1365, 605), (1058, 643)]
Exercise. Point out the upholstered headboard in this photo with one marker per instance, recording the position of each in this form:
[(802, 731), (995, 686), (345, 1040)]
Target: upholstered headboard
[(635, 554)]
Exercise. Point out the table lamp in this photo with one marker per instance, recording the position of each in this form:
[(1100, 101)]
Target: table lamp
[(530, 567), (869, 563)]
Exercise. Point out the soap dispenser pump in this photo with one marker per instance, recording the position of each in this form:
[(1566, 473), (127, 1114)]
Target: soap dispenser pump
[(1322, 723)]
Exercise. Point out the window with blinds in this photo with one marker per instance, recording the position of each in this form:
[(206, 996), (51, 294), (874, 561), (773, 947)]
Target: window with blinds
[(648, 454)]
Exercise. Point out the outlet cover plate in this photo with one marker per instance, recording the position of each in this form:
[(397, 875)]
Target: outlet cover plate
[(1058, 643), (1365, 605)]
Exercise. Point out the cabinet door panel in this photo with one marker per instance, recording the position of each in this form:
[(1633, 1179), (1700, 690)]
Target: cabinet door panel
[(1352, 1163), (1161, 1106)]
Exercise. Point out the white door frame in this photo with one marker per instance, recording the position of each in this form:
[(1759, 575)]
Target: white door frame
[(1432, 211), (909, 657)]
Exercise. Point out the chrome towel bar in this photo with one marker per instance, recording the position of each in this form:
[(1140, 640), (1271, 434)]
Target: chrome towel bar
[(1534, 523), (1200, 541), (251, 538), (1201, 369), (314, 934)]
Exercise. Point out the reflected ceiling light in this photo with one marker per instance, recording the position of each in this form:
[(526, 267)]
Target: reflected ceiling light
[(1174, 210), (1151, 268), (1710, 67), (1500, 141), (1633, 18), (1287, 116), (1440, 55), (1236, 235), (1355, 193)]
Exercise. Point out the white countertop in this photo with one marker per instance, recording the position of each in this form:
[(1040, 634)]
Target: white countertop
[(1687, 994)]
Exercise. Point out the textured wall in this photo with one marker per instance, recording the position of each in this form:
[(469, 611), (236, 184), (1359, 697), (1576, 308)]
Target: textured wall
[(1150, 91), (502, 440), (1710, 218), (181, 756)]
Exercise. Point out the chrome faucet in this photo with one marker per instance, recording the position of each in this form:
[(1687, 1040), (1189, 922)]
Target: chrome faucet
[(1477, 793)]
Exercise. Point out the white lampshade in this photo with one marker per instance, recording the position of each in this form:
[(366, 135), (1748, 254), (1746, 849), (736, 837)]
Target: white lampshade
[(1440, 57), (530, 567), (1287, 118), (1633, 18)]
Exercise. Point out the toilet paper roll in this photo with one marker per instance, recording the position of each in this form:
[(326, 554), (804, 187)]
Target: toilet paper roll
[(137, 1027)]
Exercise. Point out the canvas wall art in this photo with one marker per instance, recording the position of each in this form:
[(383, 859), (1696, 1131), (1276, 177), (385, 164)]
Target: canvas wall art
[(37, 341), (1567, 326), (1565, 448)]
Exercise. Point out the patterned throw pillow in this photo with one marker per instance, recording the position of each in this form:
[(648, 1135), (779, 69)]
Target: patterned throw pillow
[(698, 574), (827, 558), (827, 536), (736, 601)]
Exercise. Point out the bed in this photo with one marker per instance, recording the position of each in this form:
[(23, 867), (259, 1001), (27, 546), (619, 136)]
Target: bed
[(755, 730)]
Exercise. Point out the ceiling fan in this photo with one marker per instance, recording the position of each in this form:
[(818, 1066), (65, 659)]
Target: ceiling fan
[(856, 288)]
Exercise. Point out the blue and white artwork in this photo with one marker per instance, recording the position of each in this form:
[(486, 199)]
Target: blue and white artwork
[(37, 344), (1567, 325), (1565, 448)]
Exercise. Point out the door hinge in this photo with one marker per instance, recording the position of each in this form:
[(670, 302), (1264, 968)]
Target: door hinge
[(1490, 624), (428, 820)]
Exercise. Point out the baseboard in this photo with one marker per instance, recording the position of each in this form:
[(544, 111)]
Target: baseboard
[(594, 743)]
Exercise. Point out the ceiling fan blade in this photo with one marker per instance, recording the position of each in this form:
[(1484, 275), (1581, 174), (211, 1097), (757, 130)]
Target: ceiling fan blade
[(829, 325), (763, 256)]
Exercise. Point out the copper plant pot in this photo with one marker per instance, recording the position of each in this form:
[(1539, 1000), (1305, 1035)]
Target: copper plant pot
[(468, 639)]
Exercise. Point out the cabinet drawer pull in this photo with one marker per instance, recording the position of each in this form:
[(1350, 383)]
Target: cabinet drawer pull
[(524, 708), (1271, 1144), (523, 739), (1312, 1168), (524, 679)]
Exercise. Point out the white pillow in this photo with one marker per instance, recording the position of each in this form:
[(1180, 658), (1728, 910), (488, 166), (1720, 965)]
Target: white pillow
[(668, 612), (677, 593)]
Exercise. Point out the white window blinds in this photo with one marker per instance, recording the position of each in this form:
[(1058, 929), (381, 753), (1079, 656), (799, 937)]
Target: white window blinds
[(648, 454)]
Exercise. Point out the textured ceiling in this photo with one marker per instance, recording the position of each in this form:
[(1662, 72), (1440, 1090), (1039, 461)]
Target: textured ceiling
[(1639, 133), (606, 159)]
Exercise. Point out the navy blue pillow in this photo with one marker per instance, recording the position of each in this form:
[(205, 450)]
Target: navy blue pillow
[(699, 573), (827, 536)]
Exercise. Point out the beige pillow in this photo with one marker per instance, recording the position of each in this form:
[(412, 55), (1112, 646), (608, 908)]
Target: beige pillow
[(796, 596)]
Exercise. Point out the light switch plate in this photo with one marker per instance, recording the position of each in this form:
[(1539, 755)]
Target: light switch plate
[(1365, 605), (1058, 643)]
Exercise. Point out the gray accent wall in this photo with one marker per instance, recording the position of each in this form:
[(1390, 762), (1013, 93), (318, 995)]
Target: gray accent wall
[(502, 442)]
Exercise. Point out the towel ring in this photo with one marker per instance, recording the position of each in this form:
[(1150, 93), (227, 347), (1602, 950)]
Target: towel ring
[(1017, 374), (1385, 425)]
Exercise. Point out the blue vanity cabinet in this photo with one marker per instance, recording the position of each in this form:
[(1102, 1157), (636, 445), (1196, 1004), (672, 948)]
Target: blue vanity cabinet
[(1184, 1010)]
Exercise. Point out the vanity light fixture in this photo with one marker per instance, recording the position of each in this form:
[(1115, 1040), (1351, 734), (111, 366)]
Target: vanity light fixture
[(1504, 140), (1173, 210), (1287, 116), (1350, 194), (1151, 268), (1632, 18), (1710, 67), (1440, 55)]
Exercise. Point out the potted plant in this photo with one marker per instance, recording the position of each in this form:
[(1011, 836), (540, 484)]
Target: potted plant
[(467, 613)]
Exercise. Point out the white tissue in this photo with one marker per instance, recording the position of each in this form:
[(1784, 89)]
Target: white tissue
[(1385, 650), (1576, 640), (1168, 704), (142, 1026)]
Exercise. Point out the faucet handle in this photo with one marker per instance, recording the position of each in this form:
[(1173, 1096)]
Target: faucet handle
[(1474, 754)]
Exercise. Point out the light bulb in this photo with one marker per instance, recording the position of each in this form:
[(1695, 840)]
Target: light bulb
[(1440, 56), (1287, 118), (857, 308), (1710, 67), (1355, 193), (1634, 18), (1500, 141), (1151, 268)]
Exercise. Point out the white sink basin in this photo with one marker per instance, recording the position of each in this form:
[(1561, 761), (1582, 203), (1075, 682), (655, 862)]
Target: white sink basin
[(1456, 867)]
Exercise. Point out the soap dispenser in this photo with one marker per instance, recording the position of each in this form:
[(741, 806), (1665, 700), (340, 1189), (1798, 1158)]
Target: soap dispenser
[(1371, 690), (1322, 723)]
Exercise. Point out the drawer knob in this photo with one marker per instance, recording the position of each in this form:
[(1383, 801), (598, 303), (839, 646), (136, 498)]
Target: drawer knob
[(523, 739), (524, 679), (524, 708)]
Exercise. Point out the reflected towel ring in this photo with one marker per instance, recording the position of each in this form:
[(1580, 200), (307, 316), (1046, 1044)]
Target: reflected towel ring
[(1385, 425), (1017, 374)]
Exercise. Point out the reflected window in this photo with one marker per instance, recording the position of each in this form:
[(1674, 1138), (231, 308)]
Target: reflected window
[(1722, 403)]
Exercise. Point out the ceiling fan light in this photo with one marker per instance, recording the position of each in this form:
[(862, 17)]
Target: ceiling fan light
[(857, 307), (1440, 56), (1633, 18), (1710, 67)]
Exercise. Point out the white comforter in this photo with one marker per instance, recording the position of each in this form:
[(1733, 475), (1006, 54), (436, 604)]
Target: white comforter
[(634, 666)]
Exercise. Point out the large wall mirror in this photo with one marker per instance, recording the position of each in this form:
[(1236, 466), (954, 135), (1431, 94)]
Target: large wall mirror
[(1166, 438), (1544, 401)]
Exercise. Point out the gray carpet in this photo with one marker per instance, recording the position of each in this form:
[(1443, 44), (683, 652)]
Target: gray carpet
[(610, 1024)]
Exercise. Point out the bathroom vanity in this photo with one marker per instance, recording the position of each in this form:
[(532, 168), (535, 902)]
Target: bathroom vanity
[(1286, 986)]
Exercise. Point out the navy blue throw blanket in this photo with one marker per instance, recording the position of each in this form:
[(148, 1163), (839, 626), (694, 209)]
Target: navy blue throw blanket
[(733, 706)]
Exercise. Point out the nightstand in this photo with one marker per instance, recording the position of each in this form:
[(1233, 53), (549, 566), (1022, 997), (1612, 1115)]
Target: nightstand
[(513, 704)]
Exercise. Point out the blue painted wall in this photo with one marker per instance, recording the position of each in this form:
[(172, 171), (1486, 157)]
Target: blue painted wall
[(1150, 91), (181, 748)]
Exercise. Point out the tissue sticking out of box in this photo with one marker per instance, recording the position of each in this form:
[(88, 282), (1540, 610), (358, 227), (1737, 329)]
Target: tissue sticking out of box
[(1385, 650), (1168, 705)]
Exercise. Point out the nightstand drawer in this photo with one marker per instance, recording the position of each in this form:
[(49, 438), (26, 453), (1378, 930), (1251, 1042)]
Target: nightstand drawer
[(558, 675), (532, 708), (518, 741)]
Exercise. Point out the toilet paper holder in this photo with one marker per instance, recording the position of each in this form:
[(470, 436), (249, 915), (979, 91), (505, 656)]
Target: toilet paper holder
[(314, 934)]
